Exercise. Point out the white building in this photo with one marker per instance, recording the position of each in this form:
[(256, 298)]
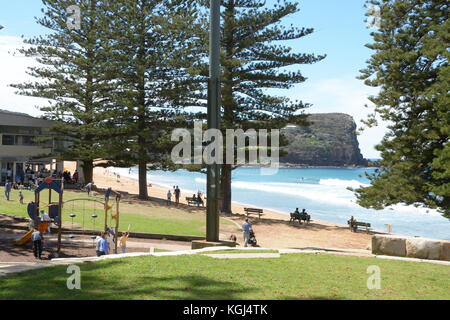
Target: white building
[(19, 149)]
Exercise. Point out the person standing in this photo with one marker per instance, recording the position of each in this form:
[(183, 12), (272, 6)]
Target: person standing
[(37, 238), (169, 197), (177, 195), (7, 189), (123, 241), (246, 226), (104, 245), (97, 245), (46, 218), (21, 197)]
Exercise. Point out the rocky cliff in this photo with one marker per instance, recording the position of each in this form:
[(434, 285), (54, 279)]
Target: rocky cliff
[(330, 140)]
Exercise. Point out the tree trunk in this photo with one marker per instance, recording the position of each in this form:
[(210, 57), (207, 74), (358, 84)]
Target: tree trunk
[(88, 170), (225, 189), (143, 194)]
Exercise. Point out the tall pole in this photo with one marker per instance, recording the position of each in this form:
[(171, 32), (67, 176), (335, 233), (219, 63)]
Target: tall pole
[(214, 102)]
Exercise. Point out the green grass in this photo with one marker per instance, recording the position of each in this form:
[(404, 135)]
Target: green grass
[(141, 218), (293, 276), (239, 251)]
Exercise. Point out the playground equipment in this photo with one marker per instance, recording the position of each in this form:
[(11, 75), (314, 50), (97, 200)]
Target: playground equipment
[(54, 209), (111, 219)]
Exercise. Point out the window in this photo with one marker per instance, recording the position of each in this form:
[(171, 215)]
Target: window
[(8, 140)]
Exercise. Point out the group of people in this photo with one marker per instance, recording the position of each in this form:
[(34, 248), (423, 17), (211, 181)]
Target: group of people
[(176, 192), (102, 244)]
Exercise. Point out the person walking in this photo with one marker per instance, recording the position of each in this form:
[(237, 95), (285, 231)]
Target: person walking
[(37, 238), (8, 187), (246, 226)]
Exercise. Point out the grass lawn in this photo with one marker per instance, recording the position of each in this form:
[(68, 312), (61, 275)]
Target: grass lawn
[(293, 276), (142, 218), (239, 251)]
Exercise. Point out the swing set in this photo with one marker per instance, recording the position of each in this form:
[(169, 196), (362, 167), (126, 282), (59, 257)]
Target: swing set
[(55, 211), (111, 217)]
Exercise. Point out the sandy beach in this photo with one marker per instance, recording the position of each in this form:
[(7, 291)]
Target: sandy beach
[(273, 230)]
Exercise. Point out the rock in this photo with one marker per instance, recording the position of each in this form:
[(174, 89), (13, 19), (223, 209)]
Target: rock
[(329, 140), (445, 251), (389, 245), (422, 248)]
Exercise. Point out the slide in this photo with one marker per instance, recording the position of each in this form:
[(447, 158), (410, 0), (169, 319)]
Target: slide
[(27, 237)]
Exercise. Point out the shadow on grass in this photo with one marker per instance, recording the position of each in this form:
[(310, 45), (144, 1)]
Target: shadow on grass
[(97, 284)]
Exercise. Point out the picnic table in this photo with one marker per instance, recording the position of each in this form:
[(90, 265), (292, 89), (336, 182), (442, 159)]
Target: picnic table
[(253, 210)]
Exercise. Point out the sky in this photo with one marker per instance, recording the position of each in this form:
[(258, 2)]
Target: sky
[(331, 86)]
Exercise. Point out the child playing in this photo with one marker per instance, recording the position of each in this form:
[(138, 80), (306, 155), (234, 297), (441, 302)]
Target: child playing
[(123, 241)]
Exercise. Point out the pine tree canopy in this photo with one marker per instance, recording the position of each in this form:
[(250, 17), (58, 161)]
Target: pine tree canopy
[(410, 67)]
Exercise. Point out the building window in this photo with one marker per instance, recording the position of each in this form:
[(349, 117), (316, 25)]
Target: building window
[(8, 140)]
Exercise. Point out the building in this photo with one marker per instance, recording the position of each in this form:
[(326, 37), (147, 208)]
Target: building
[(21, 150)]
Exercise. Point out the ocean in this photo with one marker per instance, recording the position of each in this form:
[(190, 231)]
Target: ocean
[(321, 191)]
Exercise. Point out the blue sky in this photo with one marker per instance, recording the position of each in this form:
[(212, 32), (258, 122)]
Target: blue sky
[(340, 32)]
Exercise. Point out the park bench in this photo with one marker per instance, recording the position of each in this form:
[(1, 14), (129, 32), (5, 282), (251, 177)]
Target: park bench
[(253, 210), (359, 224), (300, 216), (192, 201)]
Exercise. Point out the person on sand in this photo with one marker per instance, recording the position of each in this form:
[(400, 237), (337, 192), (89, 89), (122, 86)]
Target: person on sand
[(123, 241), (37, 238), (177, 195), (169, 197), (104, 245), (246, 226)]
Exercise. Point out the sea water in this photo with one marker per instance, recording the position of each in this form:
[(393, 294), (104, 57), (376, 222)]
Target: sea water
[(322, 192)]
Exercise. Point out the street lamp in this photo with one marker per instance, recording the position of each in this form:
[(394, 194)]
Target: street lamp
[(214, 101)]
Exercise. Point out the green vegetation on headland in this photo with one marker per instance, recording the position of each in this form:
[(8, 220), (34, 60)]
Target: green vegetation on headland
[(292, 276)]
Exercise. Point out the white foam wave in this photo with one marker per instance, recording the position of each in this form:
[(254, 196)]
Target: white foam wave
[(342, 183)]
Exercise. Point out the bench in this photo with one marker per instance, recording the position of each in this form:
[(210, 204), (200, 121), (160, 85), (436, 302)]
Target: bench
[(192, 201), (300, 216), (253, 210), (359, 224)]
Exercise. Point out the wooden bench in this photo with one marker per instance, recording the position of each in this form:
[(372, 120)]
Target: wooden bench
[(359, 224), (191, 201), (300, 216), (253, 210)]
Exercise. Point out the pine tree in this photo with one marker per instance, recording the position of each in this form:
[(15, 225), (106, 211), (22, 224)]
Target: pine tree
[(71, 77), (410, 66), (151, 45), (253, 60)]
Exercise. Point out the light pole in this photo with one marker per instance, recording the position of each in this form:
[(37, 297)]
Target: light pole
[(214, 102)]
